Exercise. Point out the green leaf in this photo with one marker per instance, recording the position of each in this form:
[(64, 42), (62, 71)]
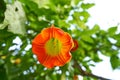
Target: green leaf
[(3, 74), (117, 43), (15, 17), (112, 30), (75, 2), (117, 37), (76, 19), (41, 3), (87, 5), (96, 28), (5, 34), (86, 46), (85, 15), (60, 2), (31, 6), (63, 77), (63, 24), (87, 39), (2, 10), (115, 62), (37, 25)]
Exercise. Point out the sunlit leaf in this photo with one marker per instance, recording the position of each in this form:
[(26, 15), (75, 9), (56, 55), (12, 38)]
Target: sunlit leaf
[(112, 30), (86, 46), (75, 2), (80, 18), (87, 5), (87, 39), (41, 3), (85, 15), (15, 18), (3, 25), (96, 28), (63, 77), (115, 62), (60, 2)]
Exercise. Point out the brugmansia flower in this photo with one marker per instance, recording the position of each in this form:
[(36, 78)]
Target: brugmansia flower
[(52, 47)]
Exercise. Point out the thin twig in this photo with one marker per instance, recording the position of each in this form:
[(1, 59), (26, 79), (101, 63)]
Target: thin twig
[(85, 73)]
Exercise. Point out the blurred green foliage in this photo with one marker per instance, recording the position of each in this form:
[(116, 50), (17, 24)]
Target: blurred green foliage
[(17, 62)]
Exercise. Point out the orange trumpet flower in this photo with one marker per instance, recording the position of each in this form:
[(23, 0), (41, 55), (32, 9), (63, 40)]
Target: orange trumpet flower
[(52, 47)]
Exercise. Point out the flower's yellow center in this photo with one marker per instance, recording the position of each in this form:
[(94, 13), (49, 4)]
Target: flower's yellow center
[(53, 46)]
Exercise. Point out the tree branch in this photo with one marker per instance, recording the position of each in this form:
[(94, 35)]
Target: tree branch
[(84, 73)]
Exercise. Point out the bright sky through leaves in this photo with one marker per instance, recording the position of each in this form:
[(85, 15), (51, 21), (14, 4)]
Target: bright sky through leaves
[(106, 14)]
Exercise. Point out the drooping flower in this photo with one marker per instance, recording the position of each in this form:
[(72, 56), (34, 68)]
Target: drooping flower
[(52, 47), (75, 45)]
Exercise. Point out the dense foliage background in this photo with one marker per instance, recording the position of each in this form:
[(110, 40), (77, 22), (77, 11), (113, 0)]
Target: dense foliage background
[(22, 20)]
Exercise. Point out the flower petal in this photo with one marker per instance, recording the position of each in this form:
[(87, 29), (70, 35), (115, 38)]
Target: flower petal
[(42, 37), (50, 61), (64, 37), (39, 40), (75, 45)]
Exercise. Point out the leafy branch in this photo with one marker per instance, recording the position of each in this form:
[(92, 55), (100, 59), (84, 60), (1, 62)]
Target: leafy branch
[(85, 73)]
